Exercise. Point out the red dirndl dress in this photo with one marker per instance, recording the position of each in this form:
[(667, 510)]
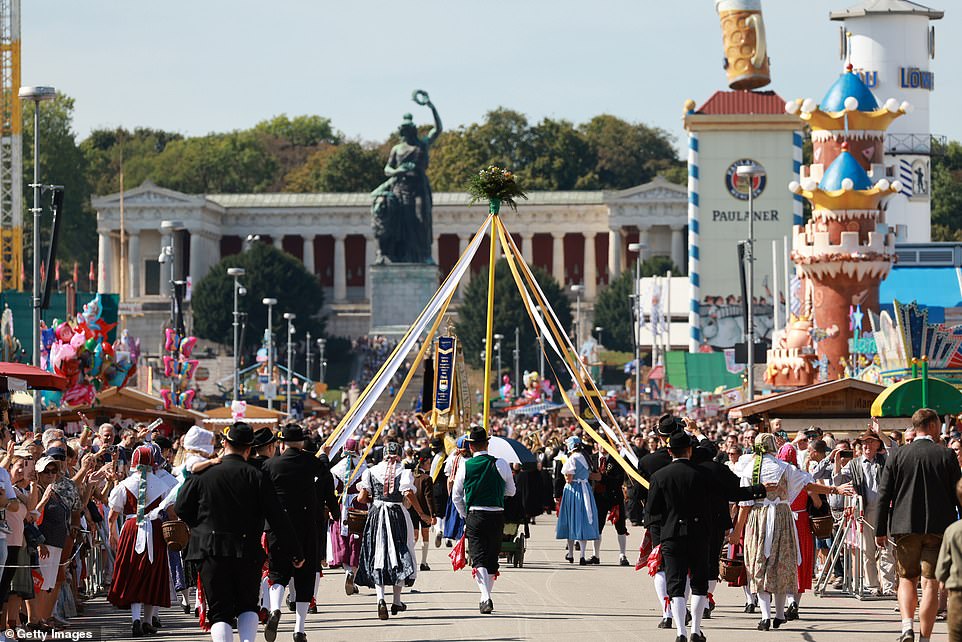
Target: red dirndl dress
[(136, 579), (806, 543)]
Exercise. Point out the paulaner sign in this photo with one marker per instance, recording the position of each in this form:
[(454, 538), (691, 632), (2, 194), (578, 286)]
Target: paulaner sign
[(731, 216)]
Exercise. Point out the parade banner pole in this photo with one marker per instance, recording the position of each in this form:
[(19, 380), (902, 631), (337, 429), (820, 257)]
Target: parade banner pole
[(396, 359), (494, 207)]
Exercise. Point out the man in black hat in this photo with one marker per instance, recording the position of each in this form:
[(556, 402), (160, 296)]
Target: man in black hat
[(294, 473), (263, 448), (480, 487), (225, 507), (678, 514)]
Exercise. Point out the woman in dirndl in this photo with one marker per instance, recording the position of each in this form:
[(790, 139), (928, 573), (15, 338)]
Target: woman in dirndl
[(387, 557), (578, 514), (346, 546), (806, 543), (772, 553), (453, 522), (141, 579)]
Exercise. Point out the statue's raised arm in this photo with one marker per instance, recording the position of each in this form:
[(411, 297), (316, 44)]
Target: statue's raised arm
[(421, 97)]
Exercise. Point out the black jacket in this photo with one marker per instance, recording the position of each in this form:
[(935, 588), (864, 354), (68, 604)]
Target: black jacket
[(679, 502), (293, 474), (917, 490), (655, 461), (726, 487), (225, 507)]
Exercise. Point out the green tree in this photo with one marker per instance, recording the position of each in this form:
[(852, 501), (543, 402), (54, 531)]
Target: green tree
[(627, 154), (61, 163), (106, 149), (236, 162), (348, 167), (509, 313), (300, 131), (559, 156), (947, 193), (270, 273), (613, 307)]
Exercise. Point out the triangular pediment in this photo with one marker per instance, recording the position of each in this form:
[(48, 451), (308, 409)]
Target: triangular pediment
[(659, 190), (150, 194)]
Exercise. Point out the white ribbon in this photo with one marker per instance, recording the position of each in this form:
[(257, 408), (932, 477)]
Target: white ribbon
[(145, 534), (770, 528)]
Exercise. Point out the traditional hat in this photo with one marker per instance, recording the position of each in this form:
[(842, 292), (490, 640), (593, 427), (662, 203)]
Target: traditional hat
[(142, 456), (477, 435), (462, 442), (571, 443), (668, 424), (163, 442), (351, 445), (239, 434), (679, 440), (392, 449), (199, 439), (291, 432), (264, 437)]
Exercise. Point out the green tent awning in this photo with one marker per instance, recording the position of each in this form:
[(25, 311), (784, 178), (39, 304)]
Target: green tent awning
[(905, 397)]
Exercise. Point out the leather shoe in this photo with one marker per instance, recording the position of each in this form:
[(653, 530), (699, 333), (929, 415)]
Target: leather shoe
[(487, 607), (381, 610), (570, 559), (623, 561), (681, 638), (270, 629), (665, 623), (398, 608), (791, 613), (583, 562), (302, 637), (137, 629), (698, 637), (764, 625), (907, 636), (594, 560), (777, 622)]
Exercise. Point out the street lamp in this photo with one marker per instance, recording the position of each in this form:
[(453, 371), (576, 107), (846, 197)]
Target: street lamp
[(307, 356), (636, 329), (517, 361), (598, 329), (750, 173), (250, 239), (272, 392), (290, 316), (37, 95), (321, 344), (577, 289), (497, 349), (239, 291)]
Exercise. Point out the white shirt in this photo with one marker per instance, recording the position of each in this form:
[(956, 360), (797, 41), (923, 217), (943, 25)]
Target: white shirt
[(8, 490), (457, 493)]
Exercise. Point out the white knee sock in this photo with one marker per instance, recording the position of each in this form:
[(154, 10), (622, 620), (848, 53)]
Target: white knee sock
[(397, 593), (712, 584), (277, 596), (247, 626), (424, 551), (184, 597), (291, 592), (317, 585), (679, 609), (221, 632), (584, 544), (348, 569), (780, 606), (596, 545), (481, 577), (136, 611), (300, 611), (489, 583), (748, 595), (571, 548), (150, 612), (265, 594), (796, 599), (698, 605), (380, 592), (765, 604), (661, 590), (622, 544)]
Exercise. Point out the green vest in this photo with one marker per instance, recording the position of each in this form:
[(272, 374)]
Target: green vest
[(483, 484)]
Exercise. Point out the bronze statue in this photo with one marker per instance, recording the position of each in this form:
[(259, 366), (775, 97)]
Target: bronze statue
[(402, 204)]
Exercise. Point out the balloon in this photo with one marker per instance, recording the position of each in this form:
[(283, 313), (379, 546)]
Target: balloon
[(187, 345), (191, 368), (165, 395), (171, 341), (91, 344), (187, 398), (80, 394), (64, 332), (169, 366)]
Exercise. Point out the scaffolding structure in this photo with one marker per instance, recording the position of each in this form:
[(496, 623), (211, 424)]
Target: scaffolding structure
[(11, 149)]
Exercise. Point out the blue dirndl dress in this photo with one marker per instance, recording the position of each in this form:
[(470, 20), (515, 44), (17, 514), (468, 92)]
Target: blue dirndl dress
[(578, 515)]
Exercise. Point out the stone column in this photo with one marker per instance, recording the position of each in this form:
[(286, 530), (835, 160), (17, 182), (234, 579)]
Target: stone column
[(527, 251), (678, 248), (166, 240), (278, 241), (643, 240), (308, 252), (435, 250), (105, 251), (558, 257), (340, 269), (590, 270), (178, 241), (197, 257), (133, 264), (615, 248), (370, 248)]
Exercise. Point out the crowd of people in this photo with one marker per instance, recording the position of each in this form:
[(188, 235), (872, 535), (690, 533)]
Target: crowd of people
[(105, 503)]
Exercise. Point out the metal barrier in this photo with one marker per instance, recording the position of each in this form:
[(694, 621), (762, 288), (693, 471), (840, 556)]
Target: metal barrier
[(847, 551), (98, 561)]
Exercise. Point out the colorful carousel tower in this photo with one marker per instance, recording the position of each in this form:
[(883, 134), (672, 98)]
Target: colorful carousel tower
[(845, 251)]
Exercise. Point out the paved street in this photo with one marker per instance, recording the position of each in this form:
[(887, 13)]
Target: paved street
[(547, 599)]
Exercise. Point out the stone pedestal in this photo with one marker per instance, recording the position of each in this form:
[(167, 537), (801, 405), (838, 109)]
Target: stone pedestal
[(399, 291)]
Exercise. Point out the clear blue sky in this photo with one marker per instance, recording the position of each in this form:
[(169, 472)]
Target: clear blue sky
[(216, 65)]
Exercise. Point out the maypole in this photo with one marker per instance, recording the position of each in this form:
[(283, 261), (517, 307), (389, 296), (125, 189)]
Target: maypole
[(494, 207)]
